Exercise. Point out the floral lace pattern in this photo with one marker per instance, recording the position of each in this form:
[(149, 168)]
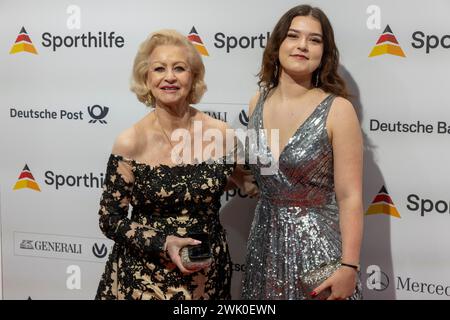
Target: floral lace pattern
[(165, 201)]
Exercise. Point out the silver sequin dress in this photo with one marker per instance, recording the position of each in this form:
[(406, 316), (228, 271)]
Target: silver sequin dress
[(296, 223)]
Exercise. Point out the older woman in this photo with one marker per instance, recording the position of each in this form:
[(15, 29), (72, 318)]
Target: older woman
[(173, 194)]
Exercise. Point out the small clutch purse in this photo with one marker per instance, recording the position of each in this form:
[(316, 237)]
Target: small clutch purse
[(198, 256), (314, 278), (190, 262)]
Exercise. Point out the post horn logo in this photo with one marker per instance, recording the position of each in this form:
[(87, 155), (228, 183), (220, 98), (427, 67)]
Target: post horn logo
[(387, 44), (382, 204), (26, 180), (97, 113), (23, 43), (197, 42)]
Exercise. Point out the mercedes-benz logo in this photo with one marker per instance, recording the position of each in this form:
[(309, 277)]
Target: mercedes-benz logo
[(378, 281)]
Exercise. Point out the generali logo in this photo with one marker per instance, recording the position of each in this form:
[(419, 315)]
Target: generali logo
[(197, 42), (383, 204), (23, 43), (387, 44), (26, 180)]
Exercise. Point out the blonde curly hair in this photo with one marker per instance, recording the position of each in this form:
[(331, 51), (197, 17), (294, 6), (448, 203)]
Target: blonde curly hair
[(141, 66)]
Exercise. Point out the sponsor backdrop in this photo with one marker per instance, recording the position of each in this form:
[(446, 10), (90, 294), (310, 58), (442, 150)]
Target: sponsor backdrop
[(64, 79)]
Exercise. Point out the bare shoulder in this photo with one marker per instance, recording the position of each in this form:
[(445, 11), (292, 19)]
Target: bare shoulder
[(253, 102), (342, 110), (343, 121), (212, 123), (222, 129), (126, 143)]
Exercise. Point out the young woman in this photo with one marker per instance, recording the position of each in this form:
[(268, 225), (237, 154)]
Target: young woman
[(310, 209)]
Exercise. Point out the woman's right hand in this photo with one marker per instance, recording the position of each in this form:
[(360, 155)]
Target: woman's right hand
[(173, 246), (245, 181)]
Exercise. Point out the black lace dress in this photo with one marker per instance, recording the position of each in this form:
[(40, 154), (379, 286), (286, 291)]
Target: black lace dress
[(165, 201)]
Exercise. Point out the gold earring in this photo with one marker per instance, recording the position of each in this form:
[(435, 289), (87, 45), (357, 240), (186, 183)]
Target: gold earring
[(148, 100)]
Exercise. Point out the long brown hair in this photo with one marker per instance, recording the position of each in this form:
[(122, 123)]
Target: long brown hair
[(329, 79)]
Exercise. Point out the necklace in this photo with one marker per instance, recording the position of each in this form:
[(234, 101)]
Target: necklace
[(178, 159)]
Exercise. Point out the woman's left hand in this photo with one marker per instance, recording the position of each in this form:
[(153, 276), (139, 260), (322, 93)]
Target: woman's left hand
[(248, 185), (342, 284)]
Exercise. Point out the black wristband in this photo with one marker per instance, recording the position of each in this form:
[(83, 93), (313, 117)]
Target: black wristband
[(356, 267)]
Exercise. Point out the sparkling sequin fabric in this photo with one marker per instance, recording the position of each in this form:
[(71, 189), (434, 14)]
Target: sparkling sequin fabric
[(166, 201), (296, 223)]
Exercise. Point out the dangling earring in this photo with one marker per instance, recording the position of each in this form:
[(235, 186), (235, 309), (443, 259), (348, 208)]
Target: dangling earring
[(276, 70), (316, 84)]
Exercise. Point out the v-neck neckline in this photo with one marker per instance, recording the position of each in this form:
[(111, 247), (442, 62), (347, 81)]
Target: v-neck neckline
[(295, 132)]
